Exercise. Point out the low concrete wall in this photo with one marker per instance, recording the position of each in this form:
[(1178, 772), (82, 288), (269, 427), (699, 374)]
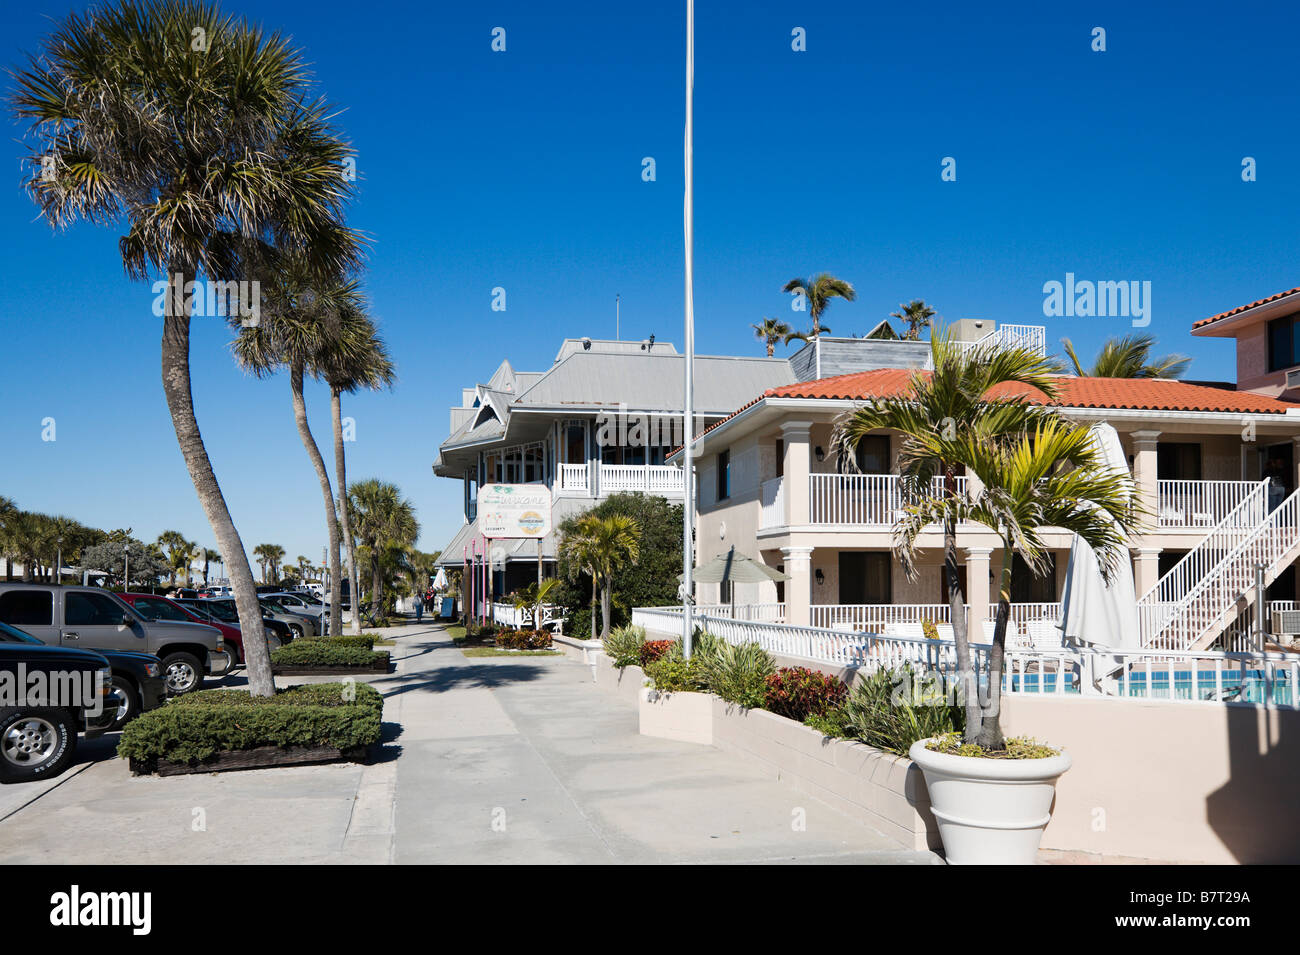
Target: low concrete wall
[(687, 717), (581, 650), (1170, 781), (886, 792), (627, 681)]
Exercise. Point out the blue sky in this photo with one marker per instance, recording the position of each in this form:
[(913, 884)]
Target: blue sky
[(522, 170)]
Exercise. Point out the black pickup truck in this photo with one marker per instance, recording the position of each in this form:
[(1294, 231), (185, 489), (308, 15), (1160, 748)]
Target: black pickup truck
[(47, 696)]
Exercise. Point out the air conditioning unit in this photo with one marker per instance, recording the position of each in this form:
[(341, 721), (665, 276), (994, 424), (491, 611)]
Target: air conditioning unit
[(1293, 379), (1286, 622)]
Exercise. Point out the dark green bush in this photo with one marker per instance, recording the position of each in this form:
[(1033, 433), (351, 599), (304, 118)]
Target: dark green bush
[(738, 674), (523, 640), (198, 725), (322, 653), (366, 640), (892, 709), (624, 645)]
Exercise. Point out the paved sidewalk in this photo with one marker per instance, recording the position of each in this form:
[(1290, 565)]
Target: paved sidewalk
[(485, 760)]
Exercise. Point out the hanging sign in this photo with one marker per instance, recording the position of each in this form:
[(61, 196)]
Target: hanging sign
[(514, 510)]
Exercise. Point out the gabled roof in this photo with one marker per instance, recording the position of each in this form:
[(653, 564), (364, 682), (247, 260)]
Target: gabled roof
[(1244, 308)]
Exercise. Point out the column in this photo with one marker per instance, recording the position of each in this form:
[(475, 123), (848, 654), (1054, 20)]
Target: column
[(798, 589), (1146, 569), (977, 590), (798, 458), (1144, 471), (1295, 460)]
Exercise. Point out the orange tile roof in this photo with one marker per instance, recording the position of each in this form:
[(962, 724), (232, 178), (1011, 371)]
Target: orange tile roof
[(1242, 308)]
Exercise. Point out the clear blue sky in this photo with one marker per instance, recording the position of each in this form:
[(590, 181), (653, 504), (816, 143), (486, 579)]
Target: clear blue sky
[(522, 170)]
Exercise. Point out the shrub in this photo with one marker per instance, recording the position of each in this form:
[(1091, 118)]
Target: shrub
[(323, 653), (831, 723), (624, 645), (672, 673), (738, 674), (524, 640), (652, 650), (929, 629), (797, 693), (366, 640), (891, 710), (198, 725)]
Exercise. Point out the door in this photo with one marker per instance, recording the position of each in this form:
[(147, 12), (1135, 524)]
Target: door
[(865, 577), (31, 611), (92, 620)]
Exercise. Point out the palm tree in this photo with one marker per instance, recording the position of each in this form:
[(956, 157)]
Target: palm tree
[(384, 520), (771, 331), (177, 550), (818, 292), (302, 319), (355, 357), (915, 315), (936, 407), (265, 554), (804, 336), (210, 557), (601, 546), (1050, 476), (201, 161), (1128, 357)]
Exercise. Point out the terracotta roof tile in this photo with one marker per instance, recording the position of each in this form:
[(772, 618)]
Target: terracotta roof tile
[(1242, 308)]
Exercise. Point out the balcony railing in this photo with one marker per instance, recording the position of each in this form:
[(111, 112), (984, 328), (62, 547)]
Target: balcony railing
[(771, 504), (648, 479), (574, 478), (1198, 503), (871, 499)]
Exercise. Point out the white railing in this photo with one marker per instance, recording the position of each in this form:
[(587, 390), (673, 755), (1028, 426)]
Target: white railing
[(508, 615), (1205, 608), (764, 613), (1199, 503), (872, 499), (1207, 677), (876, 617), (659, 479), (574, 477), (771, 504), (1031, 337)]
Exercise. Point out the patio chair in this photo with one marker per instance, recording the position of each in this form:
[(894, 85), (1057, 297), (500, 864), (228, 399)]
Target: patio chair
[(1044, 635), (1171, 516)]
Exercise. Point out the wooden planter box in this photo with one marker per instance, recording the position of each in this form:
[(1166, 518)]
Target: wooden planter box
[(260, 758), (379, 666)]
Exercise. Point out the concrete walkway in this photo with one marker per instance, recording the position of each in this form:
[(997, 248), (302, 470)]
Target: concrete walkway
[(511, 760)]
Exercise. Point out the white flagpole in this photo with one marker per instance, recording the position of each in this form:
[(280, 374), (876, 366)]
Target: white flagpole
[(688, 415)]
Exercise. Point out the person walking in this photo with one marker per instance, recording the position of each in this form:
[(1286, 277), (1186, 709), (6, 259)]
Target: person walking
[(419, 608)]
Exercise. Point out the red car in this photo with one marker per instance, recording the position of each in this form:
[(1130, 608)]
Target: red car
[(156, 607)]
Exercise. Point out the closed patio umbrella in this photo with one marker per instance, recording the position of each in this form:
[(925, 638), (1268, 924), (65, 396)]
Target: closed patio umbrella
[(1094, 613), (440, 581)]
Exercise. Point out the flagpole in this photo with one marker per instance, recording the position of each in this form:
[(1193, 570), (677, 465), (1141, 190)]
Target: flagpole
[(688, 414)]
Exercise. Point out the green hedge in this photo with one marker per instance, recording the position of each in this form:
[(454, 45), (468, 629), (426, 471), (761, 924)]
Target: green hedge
[(198, 725), (366, 640), (323, 653)]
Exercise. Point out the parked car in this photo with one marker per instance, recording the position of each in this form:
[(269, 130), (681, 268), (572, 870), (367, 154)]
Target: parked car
[(94, 618), (39, 741), (136, 676), (222, 615), (224, 608), (159, 608)]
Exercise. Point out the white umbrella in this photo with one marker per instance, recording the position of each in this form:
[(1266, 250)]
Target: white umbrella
[(440, 581), (1094, 613)]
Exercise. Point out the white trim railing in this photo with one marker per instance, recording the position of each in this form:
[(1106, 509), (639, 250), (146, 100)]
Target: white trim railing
[(1201, 504), (574, 477), (874, 500), (875, 617), (661, 479), (771, 504), (508, 615), (1031, 337)]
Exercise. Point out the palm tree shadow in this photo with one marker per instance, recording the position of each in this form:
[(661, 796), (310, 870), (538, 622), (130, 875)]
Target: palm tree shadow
[(474, 677)]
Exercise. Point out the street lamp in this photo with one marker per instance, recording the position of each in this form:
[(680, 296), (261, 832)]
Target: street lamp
[(126, 567), (58, 563)]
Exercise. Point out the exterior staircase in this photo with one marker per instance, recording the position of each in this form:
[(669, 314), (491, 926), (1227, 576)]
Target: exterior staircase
[(1190, 607)]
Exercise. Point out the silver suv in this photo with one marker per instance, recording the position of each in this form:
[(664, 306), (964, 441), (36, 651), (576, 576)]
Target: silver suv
[(90, 618)]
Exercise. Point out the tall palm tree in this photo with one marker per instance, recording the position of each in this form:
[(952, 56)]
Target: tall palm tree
[(355, 357), (210, 557), (177, 550), (602, 546), (1052, 475), (201, 159), (303, 317), (915, 315), (265, 558), (818, 292), (384, 520), (1128, 357), (770, 331), (936, 407)]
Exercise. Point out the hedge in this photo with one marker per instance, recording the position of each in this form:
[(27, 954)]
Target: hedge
[(366, 640), (196, 726), (323, 653)]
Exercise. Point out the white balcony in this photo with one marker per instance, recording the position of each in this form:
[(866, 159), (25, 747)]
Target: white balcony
[(663, 480), (573, 479), (874, 500), (1198, 504)]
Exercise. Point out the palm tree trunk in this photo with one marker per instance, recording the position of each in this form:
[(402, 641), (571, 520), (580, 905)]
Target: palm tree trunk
[(605, 595), (967, 678), (376, 580), (327, 492), (180, 402), (349, 544), (990, 734)]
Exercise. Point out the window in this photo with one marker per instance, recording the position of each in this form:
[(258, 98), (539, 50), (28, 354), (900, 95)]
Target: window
[(1284, 342), (27, 608), (866, 577), (1028, 589), (575, 443), (154, 609), (1178, 462), (724, 474), (872, 454), (91, 610), (780, 457)]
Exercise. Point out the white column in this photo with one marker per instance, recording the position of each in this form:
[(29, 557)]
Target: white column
[(798, 462), (798, 589), (1144, 471), (1146, 570), (977, 590)]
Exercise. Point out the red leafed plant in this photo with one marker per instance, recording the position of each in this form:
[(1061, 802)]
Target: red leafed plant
[(653, 650), (797, 692), (523, 640)]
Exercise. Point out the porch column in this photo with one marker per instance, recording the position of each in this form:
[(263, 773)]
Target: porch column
[(977, 590), (1144, 471), (796, 467), (798, 589), (1295, 459), (1146, 570)]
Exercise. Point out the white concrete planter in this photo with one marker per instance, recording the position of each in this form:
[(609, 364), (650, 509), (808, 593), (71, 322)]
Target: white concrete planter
[(990, 811), (687, 717)]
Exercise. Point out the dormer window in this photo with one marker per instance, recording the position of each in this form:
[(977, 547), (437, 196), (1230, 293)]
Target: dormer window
[(1284, 342)]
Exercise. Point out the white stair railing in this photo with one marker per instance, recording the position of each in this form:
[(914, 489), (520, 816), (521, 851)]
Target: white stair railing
[(1205, 607)]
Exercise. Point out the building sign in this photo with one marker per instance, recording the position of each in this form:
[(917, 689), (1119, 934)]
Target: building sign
[(514, 510)]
